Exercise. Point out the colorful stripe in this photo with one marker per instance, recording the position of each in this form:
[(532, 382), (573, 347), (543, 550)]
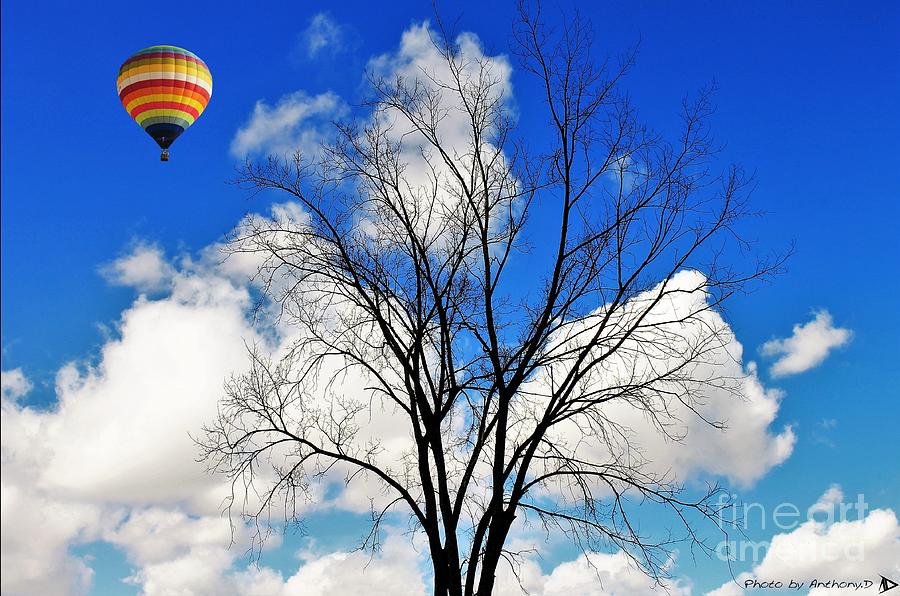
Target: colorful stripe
[(164, 85)]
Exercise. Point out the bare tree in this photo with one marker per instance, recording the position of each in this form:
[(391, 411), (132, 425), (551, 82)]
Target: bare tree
[(396, 278)]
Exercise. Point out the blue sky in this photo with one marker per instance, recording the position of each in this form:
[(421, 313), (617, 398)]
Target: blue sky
[(807, 99)]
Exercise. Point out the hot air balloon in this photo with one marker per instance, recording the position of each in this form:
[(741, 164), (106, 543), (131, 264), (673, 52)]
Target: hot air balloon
[(165, 89)]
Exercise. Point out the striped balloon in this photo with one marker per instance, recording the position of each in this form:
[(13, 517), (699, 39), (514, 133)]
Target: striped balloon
[(165, 89)]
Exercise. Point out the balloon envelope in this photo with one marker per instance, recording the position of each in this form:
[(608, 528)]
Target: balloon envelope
[(165, 89)]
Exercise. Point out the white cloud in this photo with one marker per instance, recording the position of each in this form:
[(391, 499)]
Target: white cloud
[(144, 268), (744, 451), (37, 528), (113, 460), (830, 547), (807, 347), (298, 122), (120, 431), (36, 535), (395, 570), (419, 65), (322, 35), (13, 384), (593, 574), (156, 534), (831, 497), (400, 568), (118, 438), (176, 553), (732, 588)]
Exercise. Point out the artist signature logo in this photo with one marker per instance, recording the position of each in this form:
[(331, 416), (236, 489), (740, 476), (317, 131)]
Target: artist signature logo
[(886, 584)]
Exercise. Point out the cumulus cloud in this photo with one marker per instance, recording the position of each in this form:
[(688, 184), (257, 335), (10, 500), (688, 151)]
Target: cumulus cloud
[(120, 429), (13, 384), (176, 553), (807, 347), (591, 574), (849, 543), (323, 35), (144, 268), (400, 568), (118, 436), (297, 122), (418, 64), (732, 395), (37, 532), (37, 528), (395, 570), (114, 458), (826, 503)]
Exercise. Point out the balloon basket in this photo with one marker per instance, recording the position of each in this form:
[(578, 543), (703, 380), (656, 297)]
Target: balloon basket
[(164, 156)]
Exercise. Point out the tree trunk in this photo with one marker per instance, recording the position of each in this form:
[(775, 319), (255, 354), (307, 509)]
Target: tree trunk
[(447, 577), (492, 554)]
